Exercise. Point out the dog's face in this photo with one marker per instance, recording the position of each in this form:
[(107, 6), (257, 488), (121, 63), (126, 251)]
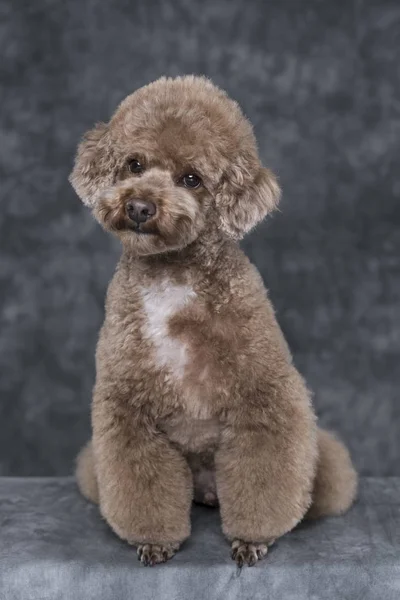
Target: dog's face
[(178, 158)]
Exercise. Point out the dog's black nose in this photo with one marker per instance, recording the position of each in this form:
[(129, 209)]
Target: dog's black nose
[(140, 211)]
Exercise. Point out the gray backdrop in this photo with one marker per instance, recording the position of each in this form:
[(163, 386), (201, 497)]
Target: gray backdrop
[(320, 81)]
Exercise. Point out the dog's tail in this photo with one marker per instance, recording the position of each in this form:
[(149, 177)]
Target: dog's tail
[(335, 484), (86, 474)]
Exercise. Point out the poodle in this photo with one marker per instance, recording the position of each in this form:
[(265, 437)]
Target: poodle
[(196, 395)]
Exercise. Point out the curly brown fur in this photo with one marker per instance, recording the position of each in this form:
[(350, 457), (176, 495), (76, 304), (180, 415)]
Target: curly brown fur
[(196, 394), (335, 484), (86, 475)]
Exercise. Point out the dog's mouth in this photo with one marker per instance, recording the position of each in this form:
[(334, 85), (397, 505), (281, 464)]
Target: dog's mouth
[(141, 230)]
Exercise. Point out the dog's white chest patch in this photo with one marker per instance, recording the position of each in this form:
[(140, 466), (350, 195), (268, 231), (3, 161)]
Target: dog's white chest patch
[(161, 301)]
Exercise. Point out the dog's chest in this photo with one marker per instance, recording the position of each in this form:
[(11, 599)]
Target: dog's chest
[(161, 302), (176, 350)]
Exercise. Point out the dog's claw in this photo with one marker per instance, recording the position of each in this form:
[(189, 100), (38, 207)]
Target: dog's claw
[(247, 553), (153, 554)]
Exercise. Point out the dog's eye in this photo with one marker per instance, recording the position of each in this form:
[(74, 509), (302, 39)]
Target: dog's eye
[(191, 180), (135, 166)]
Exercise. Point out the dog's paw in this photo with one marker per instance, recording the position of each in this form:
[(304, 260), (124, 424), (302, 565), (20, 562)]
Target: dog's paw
[(248, 553), (153, 554), (209, 498)]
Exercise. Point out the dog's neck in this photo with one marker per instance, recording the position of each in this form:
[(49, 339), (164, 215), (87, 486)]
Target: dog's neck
[(202, 256), (208, 258), (203, 252)]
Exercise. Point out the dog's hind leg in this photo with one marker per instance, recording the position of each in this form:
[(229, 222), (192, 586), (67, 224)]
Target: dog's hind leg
[(86, 474), (335, 484)]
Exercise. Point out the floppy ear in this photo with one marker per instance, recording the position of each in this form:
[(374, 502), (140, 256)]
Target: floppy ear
[(95, 163), (242, 205)]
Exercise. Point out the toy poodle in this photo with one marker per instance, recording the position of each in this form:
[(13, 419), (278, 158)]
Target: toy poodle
[(196, 395)]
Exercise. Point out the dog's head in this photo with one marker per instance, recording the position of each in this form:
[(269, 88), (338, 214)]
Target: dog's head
[(177, 158)]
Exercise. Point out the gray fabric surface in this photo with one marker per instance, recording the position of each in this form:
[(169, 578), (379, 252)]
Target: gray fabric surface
[(320, 81), (54, 546)]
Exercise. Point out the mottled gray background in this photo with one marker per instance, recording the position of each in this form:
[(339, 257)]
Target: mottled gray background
[(320, 81)]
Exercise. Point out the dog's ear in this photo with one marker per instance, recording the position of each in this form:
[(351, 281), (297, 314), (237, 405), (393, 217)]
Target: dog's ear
[(95, 163), (242, 203)]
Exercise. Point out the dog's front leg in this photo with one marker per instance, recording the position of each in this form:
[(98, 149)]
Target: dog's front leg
[(145, 485), (265, 466)]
